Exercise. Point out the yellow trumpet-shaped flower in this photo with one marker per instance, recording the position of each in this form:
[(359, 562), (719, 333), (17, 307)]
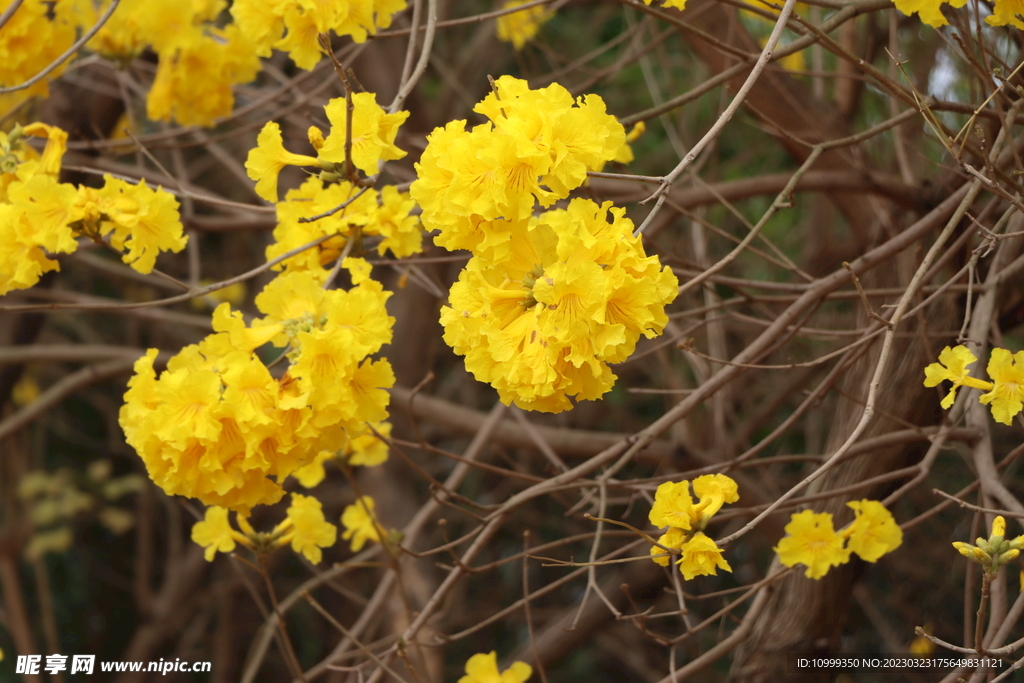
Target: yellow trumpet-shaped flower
[(952, 366), (1007, 395), (310, 531), (373, 133), (811, 540), (701, 557), (214, 533), (673, 506), (267, 159), (360, 523), (874, 532)]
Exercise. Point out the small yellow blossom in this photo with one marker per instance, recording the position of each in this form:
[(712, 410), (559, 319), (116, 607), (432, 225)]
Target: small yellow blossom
[(1007, 395), (373, 133), (214, 533), (520, 27), (483, 668), (310, 531), (873, 532), (266, 160), (673, 506), (713, 490), (811, 540), (701, 557), (360, 523), (952, 366)]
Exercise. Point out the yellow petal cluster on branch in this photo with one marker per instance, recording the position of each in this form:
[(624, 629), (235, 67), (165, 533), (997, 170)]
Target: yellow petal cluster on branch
[(293, 25), (811, 539), (36, 35), (1005, 393), (218, 427), (40, 216), (538, 146), (548, 301), (385, 214), (199, 62), (575, 294), (304, 528), (520, 27), (674, 507)]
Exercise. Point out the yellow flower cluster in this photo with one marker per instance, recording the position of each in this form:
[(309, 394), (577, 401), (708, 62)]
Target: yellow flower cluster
[(371, 214), (39, 215), (483, 668), (547, 301), (520, 27), (198, 62), (367, 213), (365, 449), (812, 540), (37, 33), (1005, 393), (575, 294), (995, 551), (216, 424), (304, 528), (300, 21), (674, 507), (474, 185), (373, 141)]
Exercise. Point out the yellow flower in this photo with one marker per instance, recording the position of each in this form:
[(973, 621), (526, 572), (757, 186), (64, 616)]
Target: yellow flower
[(56, 145), (701, 557), (673, 506), (196, 72), (1007, 396), (1006, 12), (267, 159), (483, 668), (360, 523), (812, 541), (373, 133), (952, 366), (46, 209), (713, 490), (310, 531), (873, 532), (519, 27), (547, 303), (214, 533), (674, 538), (929, 11), (148, 225)]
